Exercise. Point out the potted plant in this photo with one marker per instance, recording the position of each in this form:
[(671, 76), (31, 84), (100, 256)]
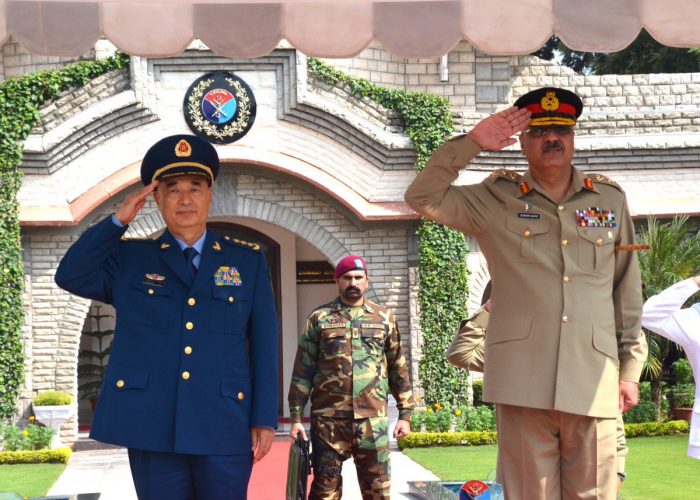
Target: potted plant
[(52, 409), (683, 392), (93, 361)]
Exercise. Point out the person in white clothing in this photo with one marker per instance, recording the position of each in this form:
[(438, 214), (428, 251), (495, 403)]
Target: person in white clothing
[(662, 314)]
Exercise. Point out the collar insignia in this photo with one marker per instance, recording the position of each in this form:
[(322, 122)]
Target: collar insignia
[(524, 188), (163, 246), (588, 183), (216, 246)]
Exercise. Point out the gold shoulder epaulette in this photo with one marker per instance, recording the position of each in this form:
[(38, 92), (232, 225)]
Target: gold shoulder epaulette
[(247, 244), (601, 179), (505, 174)]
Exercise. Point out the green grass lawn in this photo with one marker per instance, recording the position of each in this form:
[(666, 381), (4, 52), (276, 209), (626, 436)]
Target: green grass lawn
[(30, 480), (657, 467)]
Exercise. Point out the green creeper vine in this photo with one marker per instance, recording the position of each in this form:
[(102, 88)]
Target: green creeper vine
[(441, 264), (20, 100)]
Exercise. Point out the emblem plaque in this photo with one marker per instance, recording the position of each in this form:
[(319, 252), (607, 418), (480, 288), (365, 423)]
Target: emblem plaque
[(220, 107)]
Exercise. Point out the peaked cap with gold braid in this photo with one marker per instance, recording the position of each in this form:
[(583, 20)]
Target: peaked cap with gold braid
[(551, 106), (180, 154)]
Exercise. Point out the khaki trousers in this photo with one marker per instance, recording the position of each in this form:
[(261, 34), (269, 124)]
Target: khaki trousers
[(552, 455)]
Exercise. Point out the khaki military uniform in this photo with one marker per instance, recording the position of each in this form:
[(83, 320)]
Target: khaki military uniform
[(346, 365), (565, 304), (466, 351)]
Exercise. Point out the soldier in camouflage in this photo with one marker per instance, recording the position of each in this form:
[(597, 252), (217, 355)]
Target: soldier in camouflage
[(349, 356)]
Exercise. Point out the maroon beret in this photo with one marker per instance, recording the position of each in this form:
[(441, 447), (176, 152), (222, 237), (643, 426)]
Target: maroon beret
[(349, 263)]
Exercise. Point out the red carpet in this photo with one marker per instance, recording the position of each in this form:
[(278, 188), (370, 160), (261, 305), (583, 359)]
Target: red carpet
[(269, 478)]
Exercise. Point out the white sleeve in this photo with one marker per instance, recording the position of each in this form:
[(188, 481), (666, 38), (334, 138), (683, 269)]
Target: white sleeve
[(662, 313)]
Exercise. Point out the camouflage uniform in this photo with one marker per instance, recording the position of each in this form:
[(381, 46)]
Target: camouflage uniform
[(347, 365)]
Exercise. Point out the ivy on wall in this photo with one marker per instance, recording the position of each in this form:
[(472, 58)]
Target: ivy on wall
[(441, 264), (20, 100)]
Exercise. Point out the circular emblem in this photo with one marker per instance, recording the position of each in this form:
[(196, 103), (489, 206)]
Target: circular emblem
[(220, 107)]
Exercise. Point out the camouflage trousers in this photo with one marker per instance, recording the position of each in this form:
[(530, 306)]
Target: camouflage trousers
[(334, 440)]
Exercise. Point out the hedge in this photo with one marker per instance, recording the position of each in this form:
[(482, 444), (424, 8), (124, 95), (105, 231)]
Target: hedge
[(474, 438), (57, 456)]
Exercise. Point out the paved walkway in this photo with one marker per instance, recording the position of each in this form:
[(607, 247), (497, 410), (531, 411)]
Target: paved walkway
[(95, 467)]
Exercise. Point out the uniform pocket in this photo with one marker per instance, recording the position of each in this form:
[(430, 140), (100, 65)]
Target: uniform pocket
[(508, 329), (123, 378), (230, 308), (333, 342), (530, 235), (373, 338), (596, 249), (150, 301), (605, 341)]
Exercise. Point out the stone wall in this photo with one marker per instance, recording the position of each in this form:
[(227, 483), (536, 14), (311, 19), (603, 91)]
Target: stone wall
[(15, 60)]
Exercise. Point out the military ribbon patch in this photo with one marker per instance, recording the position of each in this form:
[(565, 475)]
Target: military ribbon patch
[(595, 217), (154, 279), (227, 276)]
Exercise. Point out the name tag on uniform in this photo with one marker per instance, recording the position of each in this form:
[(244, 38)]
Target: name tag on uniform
[(372, 325), (329, 326), (528, 215)]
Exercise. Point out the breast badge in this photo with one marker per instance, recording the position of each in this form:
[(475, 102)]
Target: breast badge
[(595, 217), (227, 276), (154, 279)]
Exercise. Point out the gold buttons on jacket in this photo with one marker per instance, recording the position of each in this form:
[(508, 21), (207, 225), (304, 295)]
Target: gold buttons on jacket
[(120, 384), (599, 241), (565, 319), (564, 242), (231, 299), (189, 325), (185, 375), (240, 396), (526, 233), (560, 208), (150, 291), (566, 279), (191, 301), (188, 350)]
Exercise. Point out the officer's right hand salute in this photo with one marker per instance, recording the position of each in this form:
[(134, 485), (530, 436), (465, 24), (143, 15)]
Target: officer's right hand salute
[(133, 203), (496, 132)]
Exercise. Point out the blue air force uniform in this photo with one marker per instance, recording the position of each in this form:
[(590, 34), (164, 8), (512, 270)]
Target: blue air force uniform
[(193, 364)]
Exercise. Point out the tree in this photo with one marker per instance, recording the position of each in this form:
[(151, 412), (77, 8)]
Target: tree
[(673, 256), (643, 55)]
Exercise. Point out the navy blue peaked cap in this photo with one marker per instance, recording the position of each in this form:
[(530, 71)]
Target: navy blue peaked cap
[(180, 154)]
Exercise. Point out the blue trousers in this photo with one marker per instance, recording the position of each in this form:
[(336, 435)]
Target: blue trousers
[(178, 476)]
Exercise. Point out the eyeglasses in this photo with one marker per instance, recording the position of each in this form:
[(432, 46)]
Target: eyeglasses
[(560, 130)]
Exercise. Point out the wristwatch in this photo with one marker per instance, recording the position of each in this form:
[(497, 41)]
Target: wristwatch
[(622, 476)]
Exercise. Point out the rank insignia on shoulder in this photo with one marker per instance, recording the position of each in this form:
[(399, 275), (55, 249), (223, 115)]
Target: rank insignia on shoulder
[(227, 276), (216, 246), (601, 179), (154, 279), (505, 174), (249, 244), (163, 246), (595, 217)]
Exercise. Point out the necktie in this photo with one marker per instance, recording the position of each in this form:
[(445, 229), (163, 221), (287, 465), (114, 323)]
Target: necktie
[(190, 254)]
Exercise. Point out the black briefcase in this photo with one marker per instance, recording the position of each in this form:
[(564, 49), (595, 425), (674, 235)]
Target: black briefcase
[(298, 469)]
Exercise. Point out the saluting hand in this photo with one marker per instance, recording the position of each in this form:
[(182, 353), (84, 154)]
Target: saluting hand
[(133, 203), (496, 131)]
